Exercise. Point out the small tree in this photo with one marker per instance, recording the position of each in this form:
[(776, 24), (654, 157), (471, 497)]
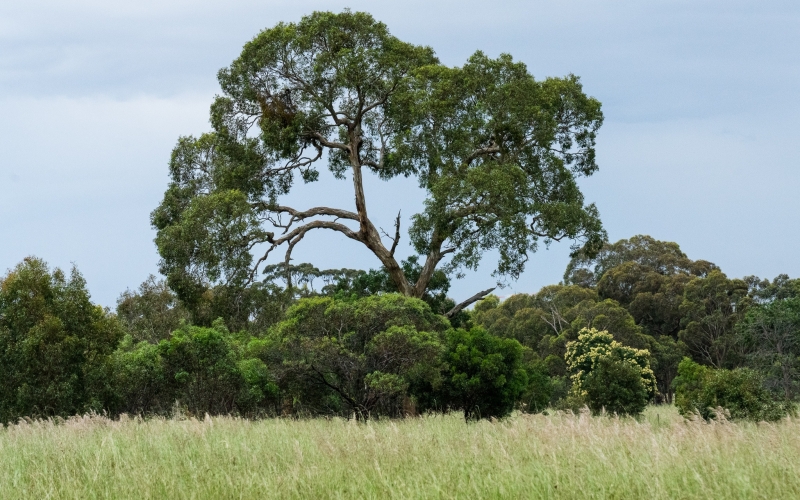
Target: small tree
[(485, 375), (359, 356), (607, 374)]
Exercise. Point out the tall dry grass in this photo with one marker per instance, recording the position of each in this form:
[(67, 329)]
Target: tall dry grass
[(555, 456)]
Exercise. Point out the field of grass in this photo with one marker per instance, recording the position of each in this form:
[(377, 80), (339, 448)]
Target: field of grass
[(525, 456)]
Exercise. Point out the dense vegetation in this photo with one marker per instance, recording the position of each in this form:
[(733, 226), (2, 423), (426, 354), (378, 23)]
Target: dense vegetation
[(639, 323)]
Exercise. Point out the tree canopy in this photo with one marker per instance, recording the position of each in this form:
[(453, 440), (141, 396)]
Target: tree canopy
[(497, 152)]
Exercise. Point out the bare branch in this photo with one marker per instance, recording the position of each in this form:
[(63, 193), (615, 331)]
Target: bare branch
[(558, 322), (396, 238), (478, 296), (299, 161)]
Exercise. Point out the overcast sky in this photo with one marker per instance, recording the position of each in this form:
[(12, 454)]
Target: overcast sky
[(699, 144)]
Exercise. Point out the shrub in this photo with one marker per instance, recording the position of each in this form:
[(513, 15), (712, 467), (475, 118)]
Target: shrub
[(201, 368), (741, 392), (485, 375), (368, 356), (206, 370), (616, 386), (607, 374), (140, 384)]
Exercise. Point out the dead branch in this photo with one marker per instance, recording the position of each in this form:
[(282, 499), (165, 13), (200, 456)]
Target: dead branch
[(396, 238)]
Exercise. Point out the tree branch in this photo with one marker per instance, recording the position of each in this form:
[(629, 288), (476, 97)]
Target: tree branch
[(298, 234), (478, 296), (481, 152), (396, 238), (320, 139)]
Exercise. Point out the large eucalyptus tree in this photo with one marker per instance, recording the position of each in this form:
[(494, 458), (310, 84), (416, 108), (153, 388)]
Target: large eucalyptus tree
[(497, 153)]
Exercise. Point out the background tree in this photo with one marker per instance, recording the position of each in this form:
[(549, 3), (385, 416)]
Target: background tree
[(782, 287), (647, 277), (54, 344), (771, 331), (152, 312), (497, 153), (711, 308), (662, 257)]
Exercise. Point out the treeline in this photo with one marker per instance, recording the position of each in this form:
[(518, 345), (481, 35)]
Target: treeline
[(638, 323)]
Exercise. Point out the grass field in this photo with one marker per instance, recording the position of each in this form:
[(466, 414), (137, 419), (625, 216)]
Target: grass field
[(526, 456)]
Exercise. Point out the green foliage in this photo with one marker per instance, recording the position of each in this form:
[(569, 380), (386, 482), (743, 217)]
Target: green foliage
[(780, 288), (485, 375), (661, 257), (666, 353), (206, 370), (54, 344), (152, 312), (711, 307), (375, 281), (541, 388), (740, 392), (609, 316), (607, 374), (616, 386), (362, 356), (499, 163), (202, 368), (652, 298), (549, 319), (771, 332), (138, 377)]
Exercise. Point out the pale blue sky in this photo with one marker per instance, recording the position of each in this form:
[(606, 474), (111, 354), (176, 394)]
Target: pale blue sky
[(699, 144)]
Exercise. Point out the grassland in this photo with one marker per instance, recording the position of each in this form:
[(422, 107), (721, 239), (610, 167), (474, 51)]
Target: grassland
[(526, 456)]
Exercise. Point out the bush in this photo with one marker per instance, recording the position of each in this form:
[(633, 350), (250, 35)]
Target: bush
[(616, 386), (607, 374), (540, 388), (206, 370), (368, 357), (485, 376), (741, 392), (140, 384)]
